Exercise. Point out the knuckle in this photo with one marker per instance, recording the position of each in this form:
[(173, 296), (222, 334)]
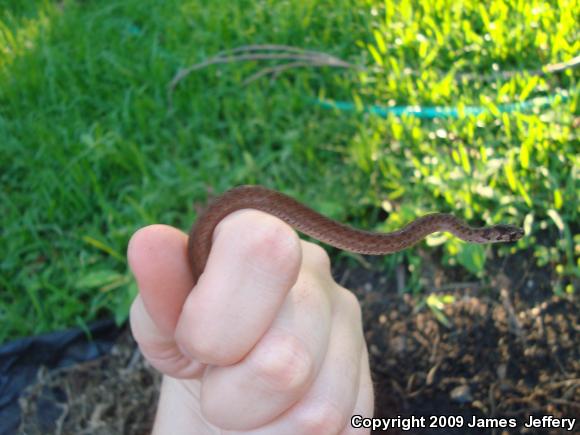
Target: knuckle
[(318, 257), (283, 363), (275, 237), (352, 304), (274, 243), (322, 417)]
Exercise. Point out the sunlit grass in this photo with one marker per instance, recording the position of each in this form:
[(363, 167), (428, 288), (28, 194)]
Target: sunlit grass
[(19, 35), (90, 151)]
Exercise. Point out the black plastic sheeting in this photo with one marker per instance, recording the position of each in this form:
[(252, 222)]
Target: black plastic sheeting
[(20, 360)]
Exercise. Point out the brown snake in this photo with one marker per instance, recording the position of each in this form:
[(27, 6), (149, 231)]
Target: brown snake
[(331, 232)]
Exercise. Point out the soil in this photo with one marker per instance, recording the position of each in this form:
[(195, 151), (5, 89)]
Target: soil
[(505, 347)]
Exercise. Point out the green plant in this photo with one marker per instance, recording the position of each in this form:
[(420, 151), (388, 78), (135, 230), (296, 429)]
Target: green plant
[(89, 151)]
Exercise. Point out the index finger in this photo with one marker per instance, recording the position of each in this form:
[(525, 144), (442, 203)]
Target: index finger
[(254, 261)]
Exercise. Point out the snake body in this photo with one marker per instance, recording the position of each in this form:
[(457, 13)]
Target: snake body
[(329, 231)]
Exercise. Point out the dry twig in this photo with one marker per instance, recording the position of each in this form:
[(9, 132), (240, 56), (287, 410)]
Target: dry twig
[(296, 58)]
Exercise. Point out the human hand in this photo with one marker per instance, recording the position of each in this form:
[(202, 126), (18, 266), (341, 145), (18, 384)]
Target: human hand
[(266, 343)]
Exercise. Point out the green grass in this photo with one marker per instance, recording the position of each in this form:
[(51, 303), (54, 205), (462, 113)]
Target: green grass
[(90, 152)]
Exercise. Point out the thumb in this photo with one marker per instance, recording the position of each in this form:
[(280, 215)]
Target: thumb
[(157, 256)]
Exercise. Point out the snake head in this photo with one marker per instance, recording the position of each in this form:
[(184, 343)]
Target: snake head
[(502, 233)]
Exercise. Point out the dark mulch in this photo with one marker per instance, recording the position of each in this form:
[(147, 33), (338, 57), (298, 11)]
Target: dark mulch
[(506, 347)]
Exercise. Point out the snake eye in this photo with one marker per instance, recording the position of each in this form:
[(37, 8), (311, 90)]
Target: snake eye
[(515, 235)]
